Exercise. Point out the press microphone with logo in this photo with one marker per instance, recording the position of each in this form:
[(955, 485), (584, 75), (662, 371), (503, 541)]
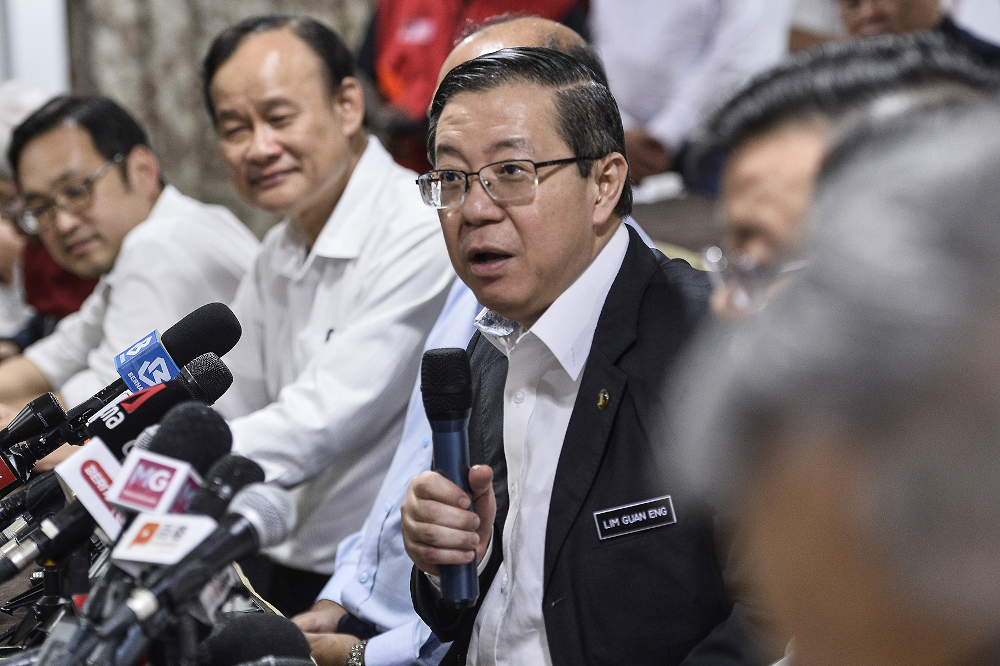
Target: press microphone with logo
[(260, 515), (446, 388), (204, 379)]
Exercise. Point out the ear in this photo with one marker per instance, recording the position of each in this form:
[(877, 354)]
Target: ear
[(143, 169), (349, 103), (609, 174)]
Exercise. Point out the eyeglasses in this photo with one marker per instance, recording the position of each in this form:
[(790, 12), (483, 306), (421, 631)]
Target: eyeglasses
[(748, 281), (38, 213), (503, 181)]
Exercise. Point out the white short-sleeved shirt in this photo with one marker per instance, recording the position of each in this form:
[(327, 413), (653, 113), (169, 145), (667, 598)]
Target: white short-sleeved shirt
[(331, 345), (185, 254)]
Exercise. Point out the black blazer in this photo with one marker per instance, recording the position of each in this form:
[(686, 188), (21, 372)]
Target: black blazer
[(650, 596)]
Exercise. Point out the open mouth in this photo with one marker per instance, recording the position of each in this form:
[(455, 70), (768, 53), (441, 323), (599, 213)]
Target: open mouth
[(487, 258)]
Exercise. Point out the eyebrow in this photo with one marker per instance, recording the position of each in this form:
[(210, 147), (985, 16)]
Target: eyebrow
[(517, 143)]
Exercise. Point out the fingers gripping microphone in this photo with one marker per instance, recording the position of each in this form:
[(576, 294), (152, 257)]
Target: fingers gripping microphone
[(446, 385), (259, 516)]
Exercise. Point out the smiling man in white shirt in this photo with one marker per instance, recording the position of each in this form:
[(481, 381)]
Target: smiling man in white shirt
[(342, 296)]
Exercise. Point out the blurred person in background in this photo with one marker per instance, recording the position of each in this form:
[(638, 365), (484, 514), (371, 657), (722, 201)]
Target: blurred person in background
[(853, 431), (338, 304), (762, 150), (865, 18), (35, 292), (404, 49), (669, 64), (92, 189)]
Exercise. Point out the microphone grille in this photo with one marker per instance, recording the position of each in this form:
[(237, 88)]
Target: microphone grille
[(207, 378), (212, 327), (228, 476), (195, 433), (445, 382), (245, 638), (269, 508)]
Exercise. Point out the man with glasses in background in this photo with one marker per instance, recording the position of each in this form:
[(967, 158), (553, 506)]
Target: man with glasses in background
[(92, 190)]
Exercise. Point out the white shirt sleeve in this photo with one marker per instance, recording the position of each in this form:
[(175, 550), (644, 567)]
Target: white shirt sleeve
[(725, 65)]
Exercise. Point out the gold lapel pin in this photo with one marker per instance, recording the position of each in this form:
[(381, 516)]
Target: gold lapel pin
[(603, 399)]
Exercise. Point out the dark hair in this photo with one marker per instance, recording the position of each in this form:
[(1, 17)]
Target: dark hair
[(587, 115), (336, 58), (827, 82), (112, 129)]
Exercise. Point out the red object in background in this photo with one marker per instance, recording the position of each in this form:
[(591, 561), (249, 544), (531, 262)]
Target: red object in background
[(48, 287), (414, 37)]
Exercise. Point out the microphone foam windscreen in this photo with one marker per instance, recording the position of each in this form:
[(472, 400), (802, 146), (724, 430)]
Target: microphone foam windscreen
[(228, 476), (238, 638), (211, 328), (194, 433), (207, 377), (269, 509), (445, 383)]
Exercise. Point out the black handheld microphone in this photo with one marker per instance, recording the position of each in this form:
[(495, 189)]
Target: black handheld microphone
[(446, 385), (241, 638), (43, 495), (260, 515)]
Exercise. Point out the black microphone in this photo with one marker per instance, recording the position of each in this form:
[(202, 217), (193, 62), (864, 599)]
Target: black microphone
[(40, 415), (186, 433), (42, 496), (260, 515), (446, 385), (204, 379), (241, 638), (226, 478)]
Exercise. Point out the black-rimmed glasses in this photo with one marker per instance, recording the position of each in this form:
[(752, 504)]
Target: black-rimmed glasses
[(509, 180), (37, 213)]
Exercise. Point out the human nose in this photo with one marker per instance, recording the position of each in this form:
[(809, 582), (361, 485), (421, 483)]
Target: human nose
[(264, 144), (479, 207), (63, 223)]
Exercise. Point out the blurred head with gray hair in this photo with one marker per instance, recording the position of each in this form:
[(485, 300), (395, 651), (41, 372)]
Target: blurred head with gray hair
[(852, 430)]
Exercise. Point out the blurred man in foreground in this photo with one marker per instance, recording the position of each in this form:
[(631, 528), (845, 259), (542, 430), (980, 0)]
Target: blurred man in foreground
[(92, 188), (336, 308), (771, 137), (581, 327), (853, 432)]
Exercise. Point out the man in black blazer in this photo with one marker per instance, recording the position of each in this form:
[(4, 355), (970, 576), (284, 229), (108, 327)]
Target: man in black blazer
[(584, 556)]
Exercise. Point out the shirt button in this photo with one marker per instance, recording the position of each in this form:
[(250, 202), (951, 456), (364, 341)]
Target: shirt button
[(388, 507), (363, 578), (519, 397), (427, 442)]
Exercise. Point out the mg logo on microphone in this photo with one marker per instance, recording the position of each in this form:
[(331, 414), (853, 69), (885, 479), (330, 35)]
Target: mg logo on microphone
[(147, 483)]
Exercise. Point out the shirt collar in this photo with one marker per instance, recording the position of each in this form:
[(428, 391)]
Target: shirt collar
[(345, 230), (567, 326)]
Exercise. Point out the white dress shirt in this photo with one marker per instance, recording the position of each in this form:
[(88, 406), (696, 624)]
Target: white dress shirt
[(545, 367), (185, 254), (331, 345), (670, 62)]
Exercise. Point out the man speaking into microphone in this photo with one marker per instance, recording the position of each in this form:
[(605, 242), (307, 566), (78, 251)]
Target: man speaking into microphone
[(92, 190), (584, 558)]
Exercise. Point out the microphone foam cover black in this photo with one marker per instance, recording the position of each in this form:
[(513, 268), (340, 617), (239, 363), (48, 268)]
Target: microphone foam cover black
[(211, 328), (228, 476), (238, 638), (445, 383), (207, 377), (194, 433)]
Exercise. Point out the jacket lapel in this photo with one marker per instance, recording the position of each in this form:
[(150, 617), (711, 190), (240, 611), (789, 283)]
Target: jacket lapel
[(603, 383)]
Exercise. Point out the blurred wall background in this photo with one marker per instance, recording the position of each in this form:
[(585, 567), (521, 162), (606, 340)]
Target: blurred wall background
[(145, 54)]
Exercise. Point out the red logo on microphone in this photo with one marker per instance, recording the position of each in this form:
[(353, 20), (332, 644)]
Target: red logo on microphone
[(147, 483), (100, 481), (7, 477), (135, 400)]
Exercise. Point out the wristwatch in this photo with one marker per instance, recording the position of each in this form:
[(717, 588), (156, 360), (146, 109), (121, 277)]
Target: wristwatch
[(356, 657)]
